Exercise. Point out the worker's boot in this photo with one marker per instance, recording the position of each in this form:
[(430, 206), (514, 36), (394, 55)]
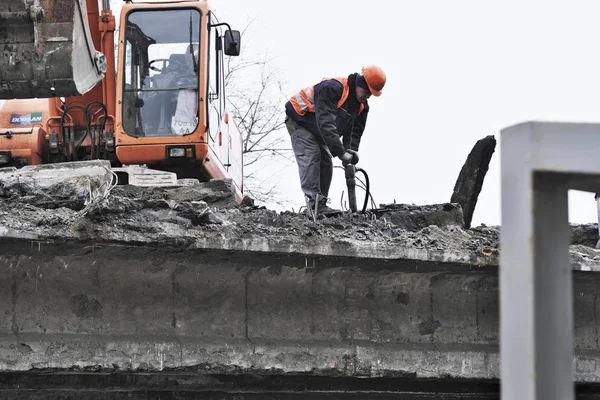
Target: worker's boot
[(328, 211), (325, 210)]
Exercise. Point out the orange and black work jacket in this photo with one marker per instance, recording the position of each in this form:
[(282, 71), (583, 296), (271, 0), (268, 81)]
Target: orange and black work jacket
[(330, 111)]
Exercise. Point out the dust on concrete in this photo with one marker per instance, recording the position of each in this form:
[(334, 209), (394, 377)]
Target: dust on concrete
[(201, 213), (129, 212)]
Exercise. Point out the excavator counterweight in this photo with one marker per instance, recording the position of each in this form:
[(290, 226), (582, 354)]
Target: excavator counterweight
[(47, 49)]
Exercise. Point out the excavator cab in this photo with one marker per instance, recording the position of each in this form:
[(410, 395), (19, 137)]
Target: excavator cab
[(171, 100), (47, 49), (160, 102)]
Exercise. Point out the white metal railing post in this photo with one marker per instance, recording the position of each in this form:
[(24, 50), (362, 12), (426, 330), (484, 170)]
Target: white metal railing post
[(540, 162)]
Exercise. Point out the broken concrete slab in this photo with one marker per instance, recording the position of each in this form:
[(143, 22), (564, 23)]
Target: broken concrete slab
[(40, 177), (183, 278), (414, 218), (217, 193), (470, 180), (584, 234), (50, 186), (205, 215), (55, 204)]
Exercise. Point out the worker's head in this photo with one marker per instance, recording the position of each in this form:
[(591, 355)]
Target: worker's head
[(369, 82), (362, 89)]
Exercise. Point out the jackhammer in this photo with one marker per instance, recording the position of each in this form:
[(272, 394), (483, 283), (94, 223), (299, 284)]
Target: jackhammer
[(351, 170)]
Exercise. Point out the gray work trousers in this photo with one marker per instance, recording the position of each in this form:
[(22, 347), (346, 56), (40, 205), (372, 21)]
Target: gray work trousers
[(314, 161)]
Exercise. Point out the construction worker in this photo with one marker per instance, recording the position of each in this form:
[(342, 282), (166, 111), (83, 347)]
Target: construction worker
[(325, 120)]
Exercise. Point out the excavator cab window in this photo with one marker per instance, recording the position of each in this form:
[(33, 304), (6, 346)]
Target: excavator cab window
[(161, 72)]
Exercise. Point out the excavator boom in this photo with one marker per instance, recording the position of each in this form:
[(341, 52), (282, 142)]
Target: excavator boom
[(48, 49)]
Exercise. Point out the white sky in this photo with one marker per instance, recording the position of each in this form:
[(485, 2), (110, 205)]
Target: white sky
[(457, 71)]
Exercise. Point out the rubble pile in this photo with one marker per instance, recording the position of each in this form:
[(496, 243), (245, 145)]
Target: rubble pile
[(87, 207)]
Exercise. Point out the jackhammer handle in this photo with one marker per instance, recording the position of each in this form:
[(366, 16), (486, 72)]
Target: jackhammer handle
[(351, 184)]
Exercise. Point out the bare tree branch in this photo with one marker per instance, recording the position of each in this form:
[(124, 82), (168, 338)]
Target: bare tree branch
[(256, 97)]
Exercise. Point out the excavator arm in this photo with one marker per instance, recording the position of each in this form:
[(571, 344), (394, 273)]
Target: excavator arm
[(47, 49)]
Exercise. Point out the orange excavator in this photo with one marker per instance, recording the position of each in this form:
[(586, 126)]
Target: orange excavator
[(159, 102)]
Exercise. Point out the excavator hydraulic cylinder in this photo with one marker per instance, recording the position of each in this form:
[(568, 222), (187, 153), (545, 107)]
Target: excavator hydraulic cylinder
[(47, 49)]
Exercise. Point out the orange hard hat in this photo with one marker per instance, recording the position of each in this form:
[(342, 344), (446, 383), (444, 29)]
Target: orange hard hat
[(375, 78)]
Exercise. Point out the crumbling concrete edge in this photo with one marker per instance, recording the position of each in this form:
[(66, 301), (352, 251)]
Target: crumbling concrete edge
[(310, 246), (582, 258), (323, 246), (349, 359), (339, 358)]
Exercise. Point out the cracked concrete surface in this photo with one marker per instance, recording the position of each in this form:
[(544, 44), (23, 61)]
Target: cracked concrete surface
[(150, 279), (205, 215)]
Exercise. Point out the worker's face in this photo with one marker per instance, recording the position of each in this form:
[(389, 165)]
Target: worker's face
[(362, 95)]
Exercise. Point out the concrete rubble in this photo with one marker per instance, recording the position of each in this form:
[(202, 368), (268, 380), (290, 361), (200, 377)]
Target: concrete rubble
[(470, 180), (56, 205), (128, 279)]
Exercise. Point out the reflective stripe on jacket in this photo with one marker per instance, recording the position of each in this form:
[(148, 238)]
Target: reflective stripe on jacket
[(304, 100)]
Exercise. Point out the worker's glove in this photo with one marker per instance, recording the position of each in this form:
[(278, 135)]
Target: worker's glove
[(346, 158), (354, 156)]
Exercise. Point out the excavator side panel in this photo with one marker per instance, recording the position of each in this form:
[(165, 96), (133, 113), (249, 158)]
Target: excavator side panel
[(46, 49)]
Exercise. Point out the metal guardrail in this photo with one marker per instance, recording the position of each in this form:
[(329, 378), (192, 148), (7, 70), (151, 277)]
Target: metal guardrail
[(540, 162)]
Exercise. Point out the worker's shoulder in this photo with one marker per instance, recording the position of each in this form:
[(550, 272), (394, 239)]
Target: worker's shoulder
[(331, 85), (333, 82)]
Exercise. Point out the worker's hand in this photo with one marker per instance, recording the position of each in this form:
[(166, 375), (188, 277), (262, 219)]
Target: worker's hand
[(355, 157), (346, 158)]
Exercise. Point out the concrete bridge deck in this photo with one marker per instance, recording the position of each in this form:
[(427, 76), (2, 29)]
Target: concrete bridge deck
[(175, 281), (76, 307)]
